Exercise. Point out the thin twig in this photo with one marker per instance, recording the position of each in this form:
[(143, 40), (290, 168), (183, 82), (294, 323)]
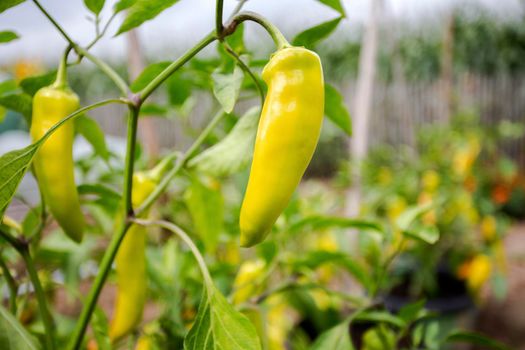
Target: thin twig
[(41, 297), (54, 22), (246, 69), (184, 237), (11, 283)]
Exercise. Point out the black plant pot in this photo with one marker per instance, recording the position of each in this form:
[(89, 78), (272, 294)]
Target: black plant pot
[(452, 296)]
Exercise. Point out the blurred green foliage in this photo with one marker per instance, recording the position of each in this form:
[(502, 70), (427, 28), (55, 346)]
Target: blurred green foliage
[(481, 44)]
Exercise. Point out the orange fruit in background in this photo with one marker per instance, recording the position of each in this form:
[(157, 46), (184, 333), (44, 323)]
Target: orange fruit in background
[(500, 194), (475, 271), (26, 68), (470, 183)]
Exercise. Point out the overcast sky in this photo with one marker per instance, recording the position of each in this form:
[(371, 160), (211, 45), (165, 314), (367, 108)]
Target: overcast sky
[(179, 27)]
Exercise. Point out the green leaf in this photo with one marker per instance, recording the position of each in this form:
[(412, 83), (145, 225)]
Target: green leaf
[(13, 335), (147, 75), (122, 5), (232, 153), (7, 36), (31, 220), (318, 222), (206, 209), (379, 338), (100, 190), (236, 40), (13, 166), (32, 84), (426, 234), (226, 87), (7, 4), (335, 109), (380, 316), (152, 109), (94, 6), (101, 329), (218, 326), (8, 86), (335, 4), (310, 37), (412, 311), (179, 88), (314, 259), (92, 132), (475, 339), (141, 11), (336, 338), (18, 102), (405, 220)]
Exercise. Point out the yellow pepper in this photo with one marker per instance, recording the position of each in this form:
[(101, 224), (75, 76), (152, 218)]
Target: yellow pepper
[(131, 260), (53, 163), (476, 271), (488, 228), (430, 180), (144, 343), (246, 285), (287, 135)]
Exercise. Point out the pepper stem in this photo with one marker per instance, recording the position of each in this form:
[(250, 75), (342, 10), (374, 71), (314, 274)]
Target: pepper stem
[(61, 80), (278, 37)]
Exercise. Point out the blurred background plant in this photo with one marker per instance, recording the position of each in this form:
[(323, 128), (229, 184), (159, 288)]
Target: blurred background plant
[(443, 188)]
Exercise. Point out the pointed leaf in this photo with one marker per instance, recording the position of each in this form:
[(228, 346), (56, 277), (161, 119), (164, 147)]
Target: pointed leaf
[(32, 84), (122, 5), (411, 214), (335, 4), (92, 132), (147, 75), (218, 326), (335, 109), (336, 338), (226, 87), (8, 86), (314, 259), (232, 153), (476, 339), (13, 335), (7, 36), (318, 222), (426, 234), (380, 316), (94, 6), (412, 311), (13, 166), (18, 102), (7, 4), (141, 11), (310, 37)]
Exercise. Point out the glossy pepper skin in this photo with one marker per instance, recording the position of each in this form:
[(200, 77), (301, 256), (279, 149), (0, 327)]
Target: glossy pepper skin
[(131, 266), (287, 135), (53, 163)]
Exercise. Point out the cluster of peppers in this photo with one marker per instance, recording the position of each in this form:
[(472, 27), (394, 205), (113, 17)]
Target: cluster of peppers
[(287, 135)]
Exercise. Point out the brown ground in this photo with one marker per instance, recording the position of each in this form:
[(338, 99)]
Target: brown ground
[(505, 320)]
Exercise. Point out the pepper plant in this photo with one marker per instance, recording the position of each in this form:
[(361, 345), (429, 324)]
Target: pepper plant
[(201, 317)]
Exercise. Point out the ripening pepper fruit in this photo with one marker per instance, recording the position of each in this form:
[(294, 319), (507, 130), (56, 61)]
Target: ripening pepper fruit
[(246, 285), (53, 163), (144, 343), (476, 271), (286, 138), (131, 260)]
